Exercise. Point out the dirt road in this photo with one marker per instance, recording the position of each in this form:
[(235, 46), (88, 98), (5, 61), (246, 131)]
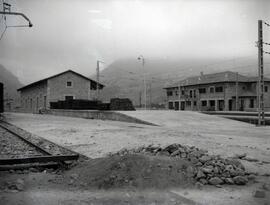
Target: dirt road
[(95, 138)]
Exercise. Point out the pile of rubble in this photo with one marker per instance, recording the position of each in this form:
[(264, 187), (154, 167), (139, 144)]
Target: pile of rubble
[(206, 169)]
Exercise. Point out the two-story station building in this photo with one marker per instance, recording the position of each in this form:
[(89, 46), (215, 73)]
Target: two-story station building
[(224, 91), (63, 86)]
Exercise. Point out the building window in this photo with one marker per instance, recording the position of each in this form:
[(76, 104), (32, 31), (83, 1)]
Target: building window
[(251, 103), (194, 93), (190, 93), (188, 103), (169, 93), (211, 89), (69, 83), (171, 105), (182, 92), (204, 103), (69, 97), (202, 90), (212, 103), (266, 89), (219, 89), (195, 103), (176, 93)]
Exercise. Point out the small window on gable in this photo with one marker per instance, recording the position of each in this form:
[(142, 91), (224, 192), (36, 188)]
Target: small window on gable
[(69, 97), (169, 93), (69, 83)]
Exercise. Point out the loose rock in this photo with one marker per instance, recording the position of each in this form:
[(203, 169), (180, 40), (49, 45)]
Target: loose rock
[(240, 180), (259, 194), (215, 181)]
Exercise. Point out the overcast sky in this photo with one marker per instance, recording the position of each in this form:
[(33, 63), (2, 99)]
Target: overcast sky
[(69, 34)]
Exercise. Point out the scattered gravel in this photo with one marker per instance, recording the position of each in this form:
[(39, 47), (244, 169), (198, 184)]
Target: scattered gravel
[(13, 147), (50, 147)]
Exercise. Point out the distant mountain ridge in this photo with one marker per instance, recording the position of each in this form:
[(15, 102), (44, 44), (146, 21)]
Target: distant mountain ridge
[(11, 84), (124, 77)]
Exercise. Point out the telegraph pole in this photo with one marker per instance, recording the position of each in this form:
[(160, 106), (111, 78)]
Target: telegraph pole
[(236, 93), (7, 11), (144, 81), (260, 96), (98, 61)]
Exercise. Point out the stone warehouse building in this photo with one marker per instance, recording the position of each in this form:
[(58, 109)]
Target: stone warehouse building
[(225, 91), (63, 86)]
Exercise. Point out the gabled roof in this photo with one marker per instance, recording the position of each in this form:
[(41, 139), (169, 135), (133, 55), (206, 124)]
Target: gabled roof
[(93, 83), (226, 76)]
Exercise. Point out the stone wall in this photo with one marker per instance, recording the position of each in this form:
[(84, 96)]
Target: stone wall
[(33, 98)]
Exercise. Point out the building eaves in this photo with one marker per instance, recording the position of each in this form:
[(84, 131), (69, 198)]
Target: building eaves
[(45, 79)]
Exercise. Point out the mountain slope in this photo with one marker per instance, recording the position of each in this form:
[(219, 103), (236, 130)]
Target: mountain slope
[(11, 84), (124, 78)]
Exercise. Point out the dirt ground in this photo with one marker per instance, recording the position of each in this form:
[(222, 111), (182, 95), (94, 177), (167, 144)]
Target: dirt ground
[(95, 138)]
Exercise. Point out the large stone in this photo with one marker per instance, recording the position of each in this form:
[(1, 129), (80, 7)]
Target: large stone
[(171, 148), (229, 167), (194, 160), (251, 177), (183, 155), (240, 180), (215, 181), (235, 162), (259, 194), (200, 174), (266, 187), (229, 181), (207, 170), (205, 158), (175, 153), (216, 170), (203, 181)]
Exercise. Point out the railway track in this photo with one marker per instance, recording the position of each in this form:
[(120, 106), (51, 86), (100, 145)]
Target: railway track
[(19, 147)]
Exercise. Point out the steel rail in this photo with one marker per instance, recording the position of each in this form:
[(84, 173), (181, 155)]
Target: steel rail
[(49, 157), (25, 140)]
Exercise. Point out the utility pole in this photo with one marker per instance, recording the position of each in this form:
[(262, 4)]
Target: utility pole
[(144, 81), (260, 88), (140, 98), (150, 95), (98, 61), (236, 93), (7, 11)]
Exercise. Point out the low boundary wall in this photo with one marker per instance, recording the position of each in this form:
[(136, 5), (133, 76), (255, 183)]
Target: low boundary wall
[(100, 115)]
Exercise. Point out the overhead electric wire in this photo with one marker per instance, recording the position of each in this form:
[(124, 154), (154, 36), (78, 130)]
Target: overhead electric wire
[(3, 33), (267, 24)]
